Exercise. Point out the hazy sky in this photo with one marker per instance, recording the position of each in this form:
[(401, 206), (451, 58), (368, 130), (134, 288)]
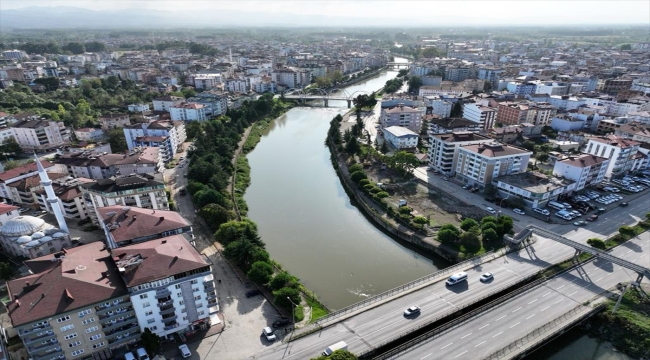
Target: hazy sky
[(479, 12)]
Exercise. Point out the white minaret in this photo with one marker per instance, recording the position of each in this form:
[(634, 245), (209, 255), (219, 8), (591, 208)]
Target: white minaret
[(51, 197), (230, 50)]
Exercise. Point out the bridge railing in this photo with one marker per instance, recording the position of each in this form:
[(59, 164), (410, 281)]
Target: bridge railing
[(545, 332), (415, 283), (437, 332)]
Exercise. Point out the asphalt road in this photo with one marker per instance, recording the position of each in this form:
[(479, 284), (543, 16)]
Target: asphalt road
[(381, 323), (492, 330)]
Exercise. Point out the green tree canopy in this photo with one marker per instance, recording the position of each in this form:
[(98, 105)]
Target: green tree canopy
[(260, 272), (215, 215), (284, 279), (490, 235), (468, 224), (234, 230), (415, 82), (117, 140), (338, 355), (431, 52), (281, 295), (150, 341)]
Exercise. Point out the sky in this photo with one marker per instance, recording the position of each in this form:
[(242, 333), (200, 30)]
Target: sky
[(433, 12)]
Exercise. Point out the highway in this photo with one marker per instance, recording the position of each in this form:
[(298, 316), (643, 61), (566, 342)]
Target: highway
[(375, 325), (496, 328)]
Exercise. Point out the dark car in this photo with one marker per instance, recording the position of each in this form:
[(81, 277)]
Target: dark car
[(281, 322), (623, 204), (253, 293)]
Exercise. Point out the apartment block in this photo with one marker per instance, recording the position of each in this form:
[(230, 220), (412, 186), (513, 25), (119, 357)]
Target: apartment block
[(188, 112), (401, 138), (166, 102), (586, 169), (40, 134), (621, 153), (443, 149), (479, 164), (168, 136), (484, 115), (404, 116), (95, 166)]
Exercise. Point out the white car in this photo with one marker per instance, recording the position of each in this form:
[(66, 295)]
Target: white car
[(412, 311), (542, 211), (490, 210), (518, 211), (185, 351), (268, 334)]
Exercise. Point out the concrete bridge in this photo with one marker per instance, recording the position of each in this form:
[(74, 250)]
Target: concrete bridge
[(397, 65), (326, 95)]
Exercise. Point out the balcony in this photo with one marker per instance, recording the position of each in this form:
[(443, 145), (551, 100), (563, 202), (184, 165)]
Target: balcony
[(109, 304), (39, 337), (51, 346), (167, 319), (163, 293), (167, 311), (111, 314), (208, 285), (129, 336), (41, 327), (116, 321), (165, 303), (121, 329)]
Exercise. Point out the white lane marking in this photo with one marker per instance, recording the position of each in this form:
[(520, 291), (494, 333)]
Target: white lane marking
[(532, 302), (426, 356), (461, 353), (546, 294), (545, 308), (466, 335), (484, 326), (445, 346), (573, 293), (501, 317), (608, 274), (629, 251), (481, 343), (560, 287), (530, 317), (587, 272), (600, 278), (515, 324), (517, 309), (497, 335), (557, 302)]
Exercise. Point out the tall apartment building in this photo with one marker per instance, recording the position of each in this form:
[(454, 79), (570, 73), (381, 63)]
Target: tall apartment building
[(291, 78), (168, 136), (188, 112), (521, 89), (511, 113), (40, 134), (207, 81), (92, 166), (484, 115), (443, 149), (171, 285), (491, 75), (585, 170), (615, 86), (74, 305), (11, 178), (620, 152), (215, 103), (480, 164), (166, 102), (144, 191), (404, 116), (457, 74)]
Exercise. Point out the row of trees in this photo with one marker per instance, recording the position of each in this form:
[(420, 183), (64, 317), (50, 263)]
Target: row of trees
[(329, 80), (69, 48), (473, 236)]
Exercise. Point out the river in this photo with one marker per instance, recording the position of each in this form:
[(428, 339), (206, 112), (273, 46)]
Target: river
[(309, 226)]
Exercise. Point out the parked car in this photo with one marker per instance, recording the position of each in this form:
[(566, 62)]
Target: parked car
[(281, 322), (542, 211), (253, 293), (185, 351), (412, 311), (593, 217), (444, 178), (268, 334), (580, 223), (486, 277), (518, 211), (490, 210)]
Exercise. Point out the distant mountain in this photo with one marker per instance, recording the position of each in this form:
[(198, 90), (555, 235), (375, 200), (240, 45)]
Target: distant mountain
[(66, 17)]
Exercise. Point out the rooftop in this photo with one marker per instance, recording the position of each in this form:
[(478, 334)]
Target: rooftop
[(584, 160), (534, 182), (400, 131), (460, 136), (495, 150), (62, 282), (22, 170), (126, 223)]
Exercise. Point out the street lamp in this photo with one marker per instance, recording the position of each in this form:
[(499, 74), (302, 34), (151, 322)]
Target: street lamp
[(293, 317)]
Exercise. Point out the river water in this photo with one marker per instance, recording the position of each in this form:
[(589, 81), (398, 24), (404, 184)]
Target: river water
[(310, 227)]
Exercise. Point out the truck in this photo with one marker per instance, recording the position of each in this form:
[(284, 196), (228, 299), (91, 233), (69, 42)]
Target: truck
[(341, 345)]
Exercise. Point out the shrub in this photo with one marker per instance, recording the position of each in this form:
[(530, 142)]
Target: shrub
[(420, 220), (405, 210), (355, 168), (468, 224), (260, 272), (597, 243), (627, 232), (368, 187), (283, 279), (358, 176), (375, 190), (382, 195), (364, 182)]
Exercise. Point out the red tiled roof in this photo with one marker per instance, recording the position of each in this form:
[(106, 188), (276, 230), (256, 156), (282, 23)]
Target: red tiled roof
[(5, 208), (157, 259), (137, 222), (15, 172), (84, 276)]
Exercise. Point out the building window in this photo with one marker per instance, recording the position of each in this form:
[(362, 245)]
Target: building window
[(89, 320), (143, 296), (67, 327), (177, 286), (197, 297), (146, 304), (62, 319), (150, 312), (92, 329), (84, 313), (95, 337), (70, 336), (149, 321), (73, 344), (77, 352), (98, 345)]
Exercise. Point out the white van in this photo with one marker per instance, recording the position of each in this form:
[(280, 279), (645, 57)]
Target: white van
[(129, 356), (457, 278), (142, 354), (556, 205), (341, 345)]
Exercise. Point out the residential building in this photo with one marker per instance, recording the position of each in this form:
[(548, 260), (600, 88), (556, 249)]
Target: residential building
[(24, 190), (521, 89), (443, 149), (168, 136), (20, 173), (491, 75), (68, 194), (74, 305), (207, 81), (170, 283), (40, 134), (438, 106), (131, 225), (112, 121), (404, 116), (615, 86), (143, 191), (439, 125), (457, 74), (7, 212), (139, 108), (484, 115), (291, 78), (567, 123), (188, 112), (479, 164), (509, 113), (620, 152), (166, 102), (215, 103), (586, 170), (89, 134), (93, 166), (401, 138), (14, 54), (534, 188)]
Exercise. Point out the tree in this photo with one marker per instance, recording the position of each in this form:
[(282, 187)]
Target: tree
[(352, 146), (75, 47), (490, 235), (10, 146), (384, 148), (456, 110), (627, 232), (215, 215), (402, 73), (95, 46), (431, 52), (260, 272), (284, 279), (7, 271), (597, 243), (209, 196), (448, 233), (471, 239), (505, 224), (281, 295), (150, 341), (117, 140), (490, 225), (50, 83), (338, 355), (357, 176), (468, 224), (403, 162), (626, 47), (234, 230), (543, 157), (414, 84), (528, 145), (487, 86)]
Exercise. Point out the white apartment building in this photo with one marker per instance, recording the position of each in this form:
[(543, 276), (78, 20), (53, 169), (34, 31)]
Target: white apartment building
[(480, 164), (207, 81), (14, 54), (401, 138), (40, 134), (291, 78), (404, 116), (144, 191), (551, 88), (171, 285), (73, 306), (94, 166), (620, 108), (19, 173), (169, 136), (138, 108), (484, 115), (585, 170), (166, 102), (237, 85), (443, 148), (534, 188), (619, 151), (215, 103), (188, 112), (89, 134), (438, 106)]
